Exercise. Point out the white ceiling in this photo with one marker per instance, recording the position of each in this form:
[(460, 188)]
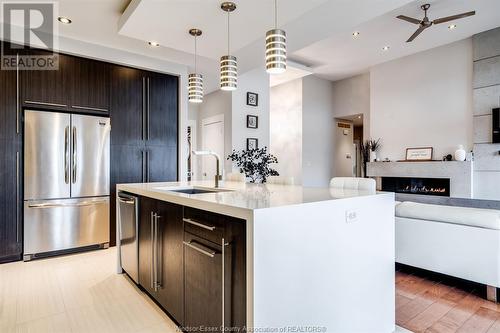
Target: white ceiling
[(342, 56), (318, 31), (168, 22)]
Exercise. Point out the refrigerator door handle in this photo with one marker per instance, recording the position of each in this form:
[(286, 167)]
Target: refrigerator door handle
[(76, 204), (66, 155), (74, 156)]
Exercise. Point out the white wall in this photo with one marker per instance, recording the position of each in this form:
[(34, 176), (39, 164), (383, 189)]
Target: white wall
[(285, 121), (317, 132), (423, 100), (352, 97), (256, 81)]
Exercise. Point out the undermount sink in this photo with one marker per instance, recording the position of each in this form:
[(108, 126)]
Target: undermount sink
[(193, 190)]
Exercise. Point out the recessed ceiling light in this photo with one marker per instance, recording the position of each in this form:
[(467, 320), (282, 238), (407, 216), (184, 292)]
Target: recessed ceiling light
[(452, 27), (355, 34), (386, 48), (153, 43), (359, 117), (64, 20)]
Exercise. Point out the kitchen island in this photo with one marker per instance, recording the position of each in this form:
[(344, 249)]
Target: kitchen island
[(268, 258)]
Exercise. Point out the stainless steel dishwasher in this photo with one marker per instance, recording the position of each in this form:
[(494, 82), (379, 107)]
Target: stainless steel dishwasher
[(128, 219)]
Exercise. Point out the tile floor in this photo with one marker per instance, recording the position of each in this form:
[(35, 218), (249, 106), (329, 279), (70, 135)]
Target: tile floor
[(79, 293), (75, 293)]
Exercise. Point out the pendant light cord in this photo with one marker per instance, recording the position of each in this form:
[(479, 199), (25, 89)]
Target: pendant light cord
[(195, 53), (276, 14), (228, 34)]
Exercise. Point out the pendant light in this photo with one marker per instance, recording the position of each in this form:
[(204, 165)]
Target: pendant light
[(276, 47), (195, 80), (228, 63)]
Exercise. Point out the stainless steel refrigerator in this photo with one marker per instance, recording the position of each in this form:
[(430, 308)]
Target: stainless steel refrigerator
[(66, 182)]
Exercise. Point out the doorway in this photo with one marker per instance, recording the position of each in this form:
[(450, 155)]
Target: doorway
[(213, 140), (348, 139)]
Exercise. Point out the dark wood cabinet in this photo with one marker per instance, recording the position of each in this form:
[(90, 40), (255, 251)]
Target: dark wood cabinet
[(10, 168), (127, 166), (161, 163), (47, 89), (78, 85), (203, 283), (127, 104), (10, 201), (161, 110), (171, 276), (90, 85), (144, 118), (146, 244), (197, 277), (215, 269), (161, 254), (9, 122)]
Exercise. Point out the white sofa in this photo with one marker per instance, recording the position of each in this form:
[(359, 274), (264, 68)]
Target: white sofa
[(456, 241)]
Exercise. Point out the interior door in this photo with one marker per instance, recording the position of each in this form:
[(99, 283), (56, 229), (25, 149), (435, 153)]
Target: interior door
[(46, 155), (213, 139), (90, 156)]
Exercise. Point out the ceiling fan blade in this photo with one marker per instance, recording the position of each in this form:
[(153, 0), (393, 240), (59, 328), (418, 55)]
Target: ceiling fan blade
[(418, 32), (454, 17), (408, 19)]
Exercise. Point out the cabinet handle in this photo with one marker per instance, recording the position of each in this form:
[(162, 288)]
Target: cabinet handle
[(158, 253), (198, 224), (89, 108), (147, 109), (47, 104), (143, 107), (152, 251), (17, 197), (147, 166), (191, 244), (224, 244), (17, 93)]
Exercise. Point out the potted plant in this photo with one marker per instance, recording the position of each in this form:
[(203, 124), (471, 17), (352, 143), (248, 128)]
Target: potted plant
[(374, 148), (254, 163)]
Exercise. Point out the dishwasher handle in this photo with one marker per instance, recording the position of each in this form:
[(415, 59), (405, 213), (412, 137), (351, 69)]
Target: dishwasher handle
[(126, 199)]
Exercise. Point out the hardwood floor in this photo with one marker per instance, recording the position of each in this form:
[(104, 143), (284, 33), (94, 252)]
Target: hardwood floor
[(436, 305), (75, 293)]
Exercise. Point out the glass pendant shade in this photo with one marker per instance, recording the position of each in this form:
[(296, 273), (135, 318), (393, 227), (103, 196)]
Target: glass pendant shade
[(228, 73), (195, 88), (276, 51)]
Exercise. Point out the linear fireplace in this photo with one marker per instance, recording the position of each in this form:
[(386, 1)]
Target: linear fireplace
[(422, 186)]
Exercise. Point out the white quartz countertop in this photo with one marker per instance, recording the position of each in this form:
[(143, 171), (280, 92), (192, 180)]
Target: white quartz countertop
[(241, 198)]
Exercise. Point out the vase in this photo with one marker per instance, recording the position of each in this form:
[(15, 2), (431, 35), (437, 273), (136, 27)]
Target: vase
[(460, 154), (373, 156)]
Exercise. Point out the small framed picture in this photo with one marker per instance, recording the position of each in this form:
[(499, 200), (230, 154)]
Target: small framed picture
[(252, 99), (252, 121), (252, 143), (419, 154)]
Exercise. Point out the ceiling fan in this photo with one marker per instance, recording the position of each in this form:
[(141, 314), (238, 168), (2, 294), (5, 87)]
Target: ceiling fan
[(426, 23)]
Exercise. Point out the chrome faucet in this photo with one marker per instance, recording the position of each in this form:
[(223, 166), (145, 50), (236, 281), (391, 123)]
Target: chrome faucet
[(218, 175)]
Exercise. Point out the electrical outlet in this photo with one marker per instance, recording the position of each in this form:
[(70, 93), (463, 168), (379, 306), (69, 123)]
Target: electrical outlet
[(351, 216)]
